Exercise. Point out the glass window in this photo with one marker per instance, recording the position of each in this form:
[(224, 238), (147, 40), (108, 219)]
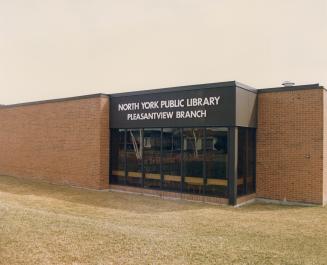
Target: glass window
[(164, 157), (216, 161), (193, 159), (134, 154), (151, 151), (246, 161), (117, 156), (171, 158)]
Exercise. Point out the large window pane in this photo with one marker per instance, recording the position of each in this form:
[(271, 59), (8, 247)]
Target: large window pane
[(193, 157), (134, 153), (117, 156), (151, 151), (199, 153), (216, 161), (246, 161), (171, 158)]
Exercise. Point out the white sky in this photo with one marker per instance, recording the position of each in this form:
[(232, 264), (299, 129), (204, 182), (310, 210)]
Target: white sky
[(60, 48)]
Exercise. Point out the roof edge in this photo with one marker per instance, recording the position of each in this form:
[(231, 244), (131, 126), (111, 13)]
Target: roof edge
[(139, 92), (246, 87), (290, 88), (173, 89), (178, 88), (53, 100)]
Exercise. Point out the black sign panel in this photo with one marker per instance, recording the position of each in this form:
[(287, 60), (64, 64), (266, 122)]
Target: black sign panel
[(193, 108)]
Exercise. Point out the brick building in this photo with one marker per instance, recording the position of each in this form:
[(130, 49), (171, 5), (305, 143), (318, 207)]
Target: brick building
[(222, 142)]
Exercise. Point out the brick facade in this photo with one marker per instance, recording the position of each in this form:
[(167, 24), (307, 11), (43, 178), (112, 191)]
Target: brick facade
[(67, 142), (325, 150), (62, 142), (290, 145)]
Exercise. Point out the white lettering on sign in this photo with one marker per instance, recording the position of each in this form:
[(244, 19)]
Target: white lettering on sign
[(191, 114), (210, 101), (128, 106), (173, 103), (150, 105), (150, 116), (197, 105)]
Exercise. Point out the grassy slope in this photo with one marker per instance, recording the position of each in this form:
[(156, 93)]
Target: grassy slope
[(48, 224)]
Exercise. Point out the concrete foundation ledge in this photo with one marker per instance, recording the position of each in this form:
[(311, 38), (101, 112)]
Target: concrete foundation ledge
[(287, 203), (246, 199), (169, 195)]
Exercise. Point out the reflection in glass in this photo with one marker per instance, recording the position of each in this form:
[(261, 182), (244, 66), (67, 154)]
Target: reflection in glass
[(164, 157), (134, 154), (193, 157), (171, 158), (118, 156), (246, 161), (216, 161), (151, 151)]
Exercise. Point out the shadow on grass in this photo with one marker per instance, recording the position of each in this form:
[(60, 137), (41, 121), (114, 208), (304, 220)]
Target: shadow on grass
[(123, 201), (105, 199)]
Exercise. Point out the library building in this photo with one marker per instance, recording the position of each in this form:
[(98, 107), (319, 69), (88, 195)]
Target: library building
[(223, 143)]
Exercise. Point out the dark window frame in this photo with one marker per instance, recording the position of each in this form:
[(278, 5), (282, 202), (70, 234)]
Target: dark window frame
[(231, 153)]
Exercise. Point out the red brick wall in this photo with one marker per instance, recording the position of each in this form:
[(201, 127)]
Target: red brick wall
[(325, 148), (63, 142), (290, 145)]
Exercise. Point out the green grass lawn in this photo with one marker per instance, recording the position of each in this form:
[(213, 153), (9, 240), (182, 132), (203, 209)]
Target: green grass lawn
[(49, 224)]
